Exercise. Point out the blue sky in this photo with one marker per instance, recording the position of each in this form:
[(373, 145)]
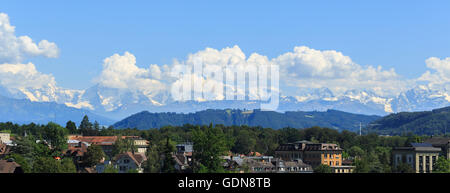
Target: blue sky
[(393, 34)]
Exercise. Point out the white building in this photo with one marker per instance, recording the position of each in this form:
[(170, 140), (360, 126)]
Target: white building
[(5, 138), (129, 161)]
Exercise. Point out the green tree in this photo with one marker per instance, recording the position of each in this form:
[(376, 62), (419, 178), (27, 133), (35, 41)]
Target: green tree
[(245, 142), (24, 163), (322, 168), (361, 166), (123, 145), (71, 127), (93, 155), (404, 168), (111, 169), (67, 166), (56, 136), (356, 151), (46, 165), (442, 165), (209, 145), (153, 160), (168, 165), (86, 126), (50, 165)]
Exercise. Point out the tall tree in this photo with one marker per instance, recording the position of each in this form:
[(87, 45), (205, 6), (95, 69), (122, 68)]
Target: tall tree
[(56, 136), (168, 165), (93, 155), (209, 145), (123, 145), (86, 126), (72, 127), (153, 160)]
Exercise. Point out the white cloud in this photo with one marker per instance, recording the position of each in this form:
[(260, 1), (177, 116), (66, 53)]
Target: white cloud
[(121, 72), (440, 74), (17, 76), (209, 84), (15, 49), (310, 68), (302, 68)]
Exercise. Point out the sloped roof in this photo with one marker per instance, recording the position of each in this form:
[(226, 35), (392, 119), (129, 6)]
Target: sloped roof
[(421, 145), (8, 166), (438, 140), (138, 158)]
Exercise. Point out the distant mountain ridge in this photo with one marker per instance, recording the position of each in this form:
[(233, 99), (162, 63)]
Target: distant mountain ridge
[(117, 104), (23, 111), (331, 118)]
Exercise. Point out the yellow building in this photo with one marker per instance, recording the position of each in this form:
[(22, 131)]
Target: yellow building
[(314, 154)]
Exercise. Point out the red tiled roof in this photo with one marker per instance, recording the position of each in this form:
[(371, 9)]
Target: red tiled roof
[(99, 140), (96, 140)]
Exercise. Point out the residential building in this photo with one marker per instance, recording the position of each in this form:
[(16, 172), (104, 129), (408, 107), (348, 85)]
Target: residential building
[(4, 150), (5, 138), (76, 149), (294, 166), (420, 156), (265, 164), (441, 142), (183, 156), (310, 153), (141, 144), (9, 166), (130, 161), (107, 142)]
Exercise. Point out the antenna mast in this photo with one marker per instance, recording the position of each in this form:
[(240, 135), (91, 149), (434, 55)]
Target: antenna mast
[(359, 128)]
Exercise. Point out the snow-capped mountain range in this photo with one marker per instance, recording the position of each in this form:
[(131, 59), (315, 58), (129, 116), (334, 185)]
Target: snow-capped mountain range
[(120, 103)]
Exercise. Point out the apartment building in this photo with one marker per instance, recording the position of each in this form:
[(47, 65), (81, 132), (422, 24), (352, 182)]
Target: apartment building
[(420, 156)]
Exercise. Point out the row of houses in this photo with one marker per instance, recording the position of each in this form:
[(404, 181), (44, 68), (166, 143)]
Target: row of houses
[(297, 157), (124, 162)]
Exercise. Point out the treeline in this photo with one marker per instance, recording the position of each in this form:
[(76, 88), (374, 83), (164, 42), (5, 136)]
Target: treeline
[(435, 122), (370, 153), (270, 119)]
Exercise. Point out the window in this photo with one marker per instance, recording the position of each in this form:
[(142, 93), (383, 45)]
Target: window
[(434, 161), (126, 161), (337, 163)]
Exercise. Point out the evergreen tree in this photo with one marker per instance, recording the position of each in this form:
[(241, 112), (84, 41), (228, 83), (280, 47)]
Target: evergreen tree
[(86, 126), (168, 165), (71, 127)]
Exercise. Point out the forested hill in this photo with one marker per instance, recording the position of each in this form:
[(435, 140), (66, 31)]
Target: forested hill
[(331, 119), (432, 122)]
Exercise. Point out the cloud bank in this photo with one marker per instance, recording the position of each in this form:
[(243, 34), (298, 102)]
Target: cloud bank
[(15, 49), (301, 68)]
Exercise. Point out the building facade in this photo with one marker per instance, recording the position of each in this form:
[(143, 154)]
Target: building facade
[(313, 154), (421, 157), (127, 161), (5, 138)]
